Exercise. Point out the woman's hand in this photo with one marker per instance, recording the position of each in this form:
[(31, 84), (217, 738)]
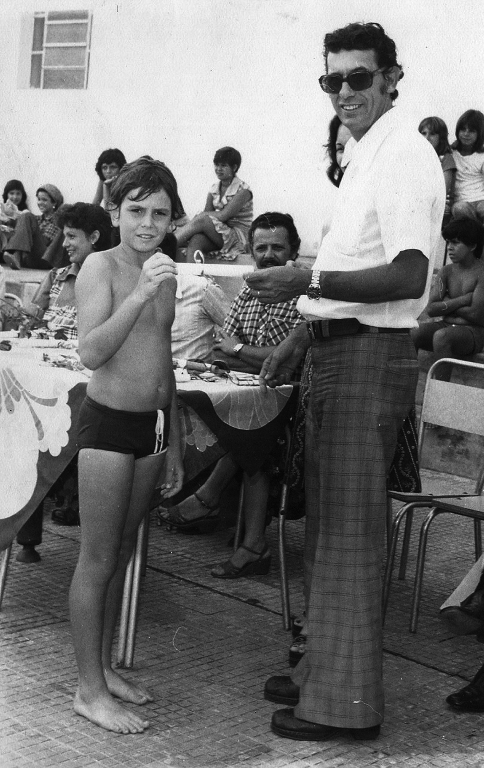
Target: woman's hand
[(174, 474)]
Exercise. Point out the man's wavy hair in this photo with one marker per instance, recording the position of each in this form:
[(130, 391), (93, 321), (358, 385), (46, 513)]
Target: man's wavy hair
[(364, 37), (273, 219)]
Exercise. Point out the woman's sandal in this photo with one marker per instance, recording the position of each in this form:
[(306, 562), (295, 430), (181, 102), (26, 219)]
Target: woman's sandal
[(203, 524), (259, 567), (297, 650)]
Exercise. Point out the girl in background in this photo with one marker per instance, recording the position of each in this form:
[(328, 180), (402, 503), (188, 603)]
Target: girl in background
[(224, 223), (468, 153), (435, 131)]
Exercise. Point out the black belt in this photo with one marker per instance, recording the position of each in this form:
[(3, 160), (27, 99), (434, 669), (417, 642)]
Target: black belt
[(320, 330)]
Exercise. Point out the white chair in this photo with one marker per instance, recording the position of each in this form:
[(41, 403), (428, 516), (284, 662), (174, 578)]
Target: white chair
[(455, 406)]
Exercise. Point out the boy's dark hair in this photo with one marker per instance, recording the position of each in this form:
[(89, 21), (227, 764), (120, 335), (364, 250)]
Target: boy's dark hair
[(364, 37), (474, 120), (148, 176), (16, 184), (107, 157), (89, 218), (230, 156), (273, 219), (333, 172), (437, 125), (467, 230)]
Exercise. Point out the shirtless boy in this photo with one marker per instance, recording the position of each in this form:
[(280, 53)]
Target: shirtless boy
[(457, 296), (126, 305)]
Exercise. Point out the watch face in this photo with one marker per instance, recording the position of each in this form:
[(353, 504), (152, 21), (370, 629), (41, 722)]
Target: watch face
[(314, 292)]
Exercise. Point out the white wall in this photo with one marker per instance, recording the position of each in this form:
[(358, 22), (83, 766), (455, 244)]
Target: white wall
[(179, 78)]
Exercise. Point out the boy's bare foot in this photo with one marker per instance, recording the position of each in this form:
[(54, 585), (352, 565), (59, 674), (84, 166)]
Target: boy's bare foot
[(107, 713), (126, 690)]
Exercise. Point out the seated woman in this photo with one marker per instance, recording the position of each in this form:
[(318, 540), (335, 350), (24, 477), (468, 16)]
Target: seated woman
[(250, 332), (33, 234), (224, 223), (14, 203), (86, 228), (108, 165)]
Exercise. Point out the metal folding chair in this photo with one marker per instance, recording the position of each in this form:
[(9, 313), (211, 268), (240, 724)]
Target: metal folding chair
[(447, 404)]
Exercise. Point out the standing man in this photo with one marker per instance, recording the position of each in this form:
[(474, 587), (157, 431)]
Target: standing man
[(369, 284)]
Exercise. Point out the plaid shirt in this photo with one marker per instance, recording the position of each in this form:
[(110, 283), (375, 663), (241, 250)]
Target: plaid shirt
[(48, 227), (260, 325), (56, 297)]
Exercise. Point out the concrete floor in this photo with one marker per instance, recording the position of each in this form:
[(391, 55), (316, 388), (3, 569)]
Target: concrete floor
[(205, 648)]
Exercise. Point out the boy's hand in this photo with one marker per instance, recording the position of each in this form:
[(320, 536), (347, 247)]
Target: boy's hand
[(156, 269)]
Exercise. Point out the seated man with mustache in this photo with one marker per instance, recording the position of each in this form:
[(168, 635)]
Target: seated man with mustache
[(250, 332)]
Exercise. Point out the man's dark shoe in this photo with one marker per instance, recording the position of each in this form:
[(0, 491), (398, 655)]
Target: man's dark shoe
[(281, 690), (470, 698), (285, 723)]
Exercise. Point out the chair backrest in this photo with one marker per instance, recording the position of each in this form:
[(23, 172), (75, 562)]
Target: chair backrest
[(453, 405)]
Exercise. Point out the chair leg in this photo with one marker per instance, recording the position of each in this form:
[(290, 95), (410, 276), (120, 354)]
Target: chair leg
[(133, 608), (4, 571), (422, 549), (477, 538), (389, 523), (391, 557), (281, 525), (124, 619), (405, 545), (240, 518)]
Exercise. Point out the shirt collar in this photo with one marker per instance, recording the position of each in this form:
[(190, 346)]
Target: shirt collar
[(71, 270), (378, 132)]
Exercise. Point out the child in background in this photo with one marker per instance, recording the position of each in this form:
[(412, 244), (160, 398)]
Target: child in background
[(436, 132), (457, 296), (109, 164), (468, 153), (126, 305), (14, 203), (224, 223)]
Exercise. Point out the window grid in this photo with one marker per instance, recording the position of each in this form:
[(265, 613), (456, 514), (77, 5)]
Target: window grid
[(49, 20)]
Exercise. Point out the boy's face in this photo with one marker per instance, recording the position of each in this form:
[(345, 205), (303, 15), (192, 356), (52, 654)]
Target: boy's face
[(271, 247), (143, 223), (458, 251)]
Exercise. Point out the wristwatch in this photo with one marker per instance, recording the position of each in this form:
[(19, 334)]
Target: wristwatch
[(314, 288), (237, 348)]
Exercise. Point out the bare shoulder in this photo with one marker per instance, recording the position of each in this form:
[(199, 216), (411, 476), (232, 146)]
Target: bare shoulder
[(97, 267)]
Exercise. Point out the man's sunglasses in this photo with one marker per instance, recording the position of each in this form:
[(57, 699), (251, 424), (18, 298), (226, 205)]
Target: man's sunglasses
[(357, 81)]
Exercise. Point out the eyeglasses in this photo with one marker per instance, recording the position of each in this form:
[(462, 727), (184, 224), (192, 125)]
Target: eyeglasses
[(357, 81)]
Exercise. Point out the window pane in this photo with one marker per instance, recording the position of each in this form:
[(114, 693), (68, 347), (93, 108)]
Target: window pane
[(55, 57), (38, 41), (66, 33), (67, 15), (35, 70), (63, 78)]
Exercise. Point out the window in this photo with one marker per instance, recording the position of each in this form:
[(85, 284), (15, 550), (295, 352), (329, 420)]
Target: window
[(60, 49)]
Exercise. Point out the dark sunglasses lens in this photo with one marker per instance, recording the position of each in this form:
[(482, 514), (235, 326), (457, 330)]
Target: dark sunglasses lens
[(331, 83), (360, 81)]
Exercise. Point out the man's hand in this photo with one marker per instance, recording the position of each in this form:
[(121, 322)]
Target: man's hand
[(225, 343), (276, 284), (156, 269), (278, 368)]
